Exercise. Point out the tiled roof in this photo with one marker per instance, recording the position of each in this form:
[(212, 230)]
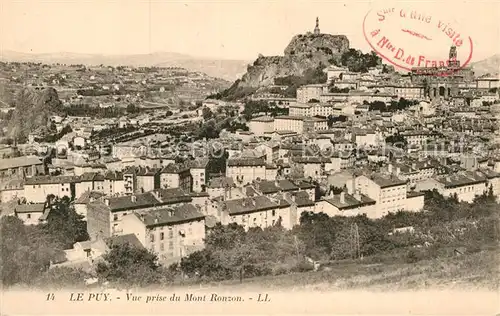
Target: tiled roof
[(130, 239), (87, 196), (199, 163), (30, 208), (145, 200), (461, 179), (13, 184), (263, 119), (17, 162), (113, 175), (175, 168), (304, 184), (249, 205), (220, 182), (310, 160), (386, 181), (302, 199), (350, 201), (171, 215), (51, 180), (235, 162)]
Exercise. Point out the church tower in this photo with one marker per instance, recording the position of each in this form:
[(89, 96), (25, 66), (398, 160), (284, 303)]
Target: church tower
[(452, 61), (316, 29)]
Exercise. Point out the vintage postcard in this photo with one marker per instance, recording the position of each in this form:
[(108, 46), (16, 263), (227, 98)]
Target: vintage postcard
[(254, 157)]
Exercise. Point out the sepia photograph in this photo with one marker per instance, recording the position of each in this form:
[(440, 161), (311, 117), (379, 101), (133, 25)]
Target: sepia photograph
[(249, 157)]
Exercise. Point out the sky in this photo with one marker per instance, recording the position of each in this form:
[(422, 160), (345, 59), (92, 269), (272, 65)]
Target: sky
[(221, 29)]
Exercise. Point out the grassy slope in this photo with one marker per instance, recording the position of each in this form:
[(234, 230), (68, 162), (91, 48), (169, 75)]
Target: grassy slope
[(478, 270)]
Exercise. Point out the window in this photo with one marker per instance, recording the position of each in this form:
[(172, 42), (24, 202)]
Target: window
[(162, 236), (115, 217), (28, 216), (162, 247), (273, 213), (170, 233), (152, 238), (171, 245)]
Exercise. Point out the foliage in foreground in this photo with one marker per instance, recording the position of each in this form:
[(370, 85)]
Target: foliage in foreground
[(26, 252)]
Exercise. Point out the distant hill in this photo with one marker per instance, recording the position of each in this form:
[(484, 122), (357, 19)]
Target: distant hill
[(225, 69), (490, 65)]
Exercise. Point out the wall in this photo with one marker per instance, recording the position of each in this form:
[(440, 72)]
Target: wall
[(249, 173), (32, 218), (9, 195)]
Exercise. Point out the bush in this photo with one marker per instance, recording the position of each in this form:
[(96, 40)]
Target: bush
[(302, 266), (412, 256)]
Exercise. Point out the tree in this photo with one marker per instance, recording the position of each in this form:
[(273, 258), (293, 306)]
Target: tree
[(26, 251), (65, 225), (297, 171), (209, 130), (128, 265), (131, 108), (356, 61), (397, 140), (377, 106), (207, 114), (225, 237)]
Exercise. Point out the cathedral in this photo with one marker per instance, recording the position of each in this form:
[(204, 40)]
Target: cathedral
[(443, 82)]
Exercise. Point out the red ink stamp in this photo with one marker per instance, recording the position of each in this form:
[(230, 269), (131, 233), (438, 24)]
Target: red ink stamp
[(418, 41)]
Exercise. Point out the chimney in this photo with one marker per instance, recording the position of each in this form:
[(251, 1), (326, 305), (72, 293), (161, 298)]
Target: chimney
[(357, 195), (398, 171), (342, 197), (414, 166), (351, 186), (133, 198), (253, 202), (142, 217), (106, 201), (330, 194), (390, 168), (170, 213), (156, 220)]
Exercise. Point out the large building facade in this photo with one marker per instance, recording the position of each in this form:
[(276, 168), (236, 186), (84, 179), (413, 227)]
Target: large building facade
[(442, 81)]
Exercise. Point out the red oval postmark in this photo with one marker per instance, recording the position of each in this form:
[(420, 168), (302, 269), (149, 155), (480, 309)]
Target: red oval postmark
[(417, 41)]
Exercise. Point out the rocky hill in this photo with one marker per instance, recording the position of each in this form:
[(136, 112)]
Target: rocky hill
[(33, 111), (488, 66), (304, 52)]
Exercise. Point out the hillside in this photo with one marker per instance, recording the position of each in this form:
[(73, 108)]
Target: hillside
[(304, 52), (225, 69), (490, 65), (33, 111), (477, 270)]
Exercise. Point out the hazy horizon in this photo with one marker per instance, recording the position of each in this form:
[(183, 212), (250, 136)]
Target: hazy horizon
[(211, 30)]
